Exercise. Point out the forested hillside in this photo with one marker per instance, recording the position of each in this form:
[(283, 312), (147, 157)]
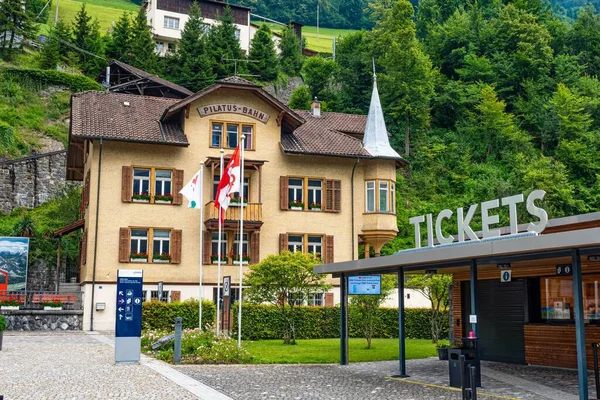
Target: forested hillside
[(485, 100)]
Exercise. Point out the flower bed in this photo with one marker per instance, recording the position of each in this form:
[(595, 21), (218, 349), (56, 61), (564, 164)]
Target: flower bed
[(197, 347), (138, 257), (163, 198), (52, 305), (236, 201), (296, 205), (315, 206), (236, 258), (141, 197), (214, 258), (161, 258)]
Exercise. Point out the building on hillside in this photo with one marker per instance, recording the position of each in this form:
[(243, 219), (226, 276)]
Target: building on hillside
[(123, 78), (168, 18), (315, 181)]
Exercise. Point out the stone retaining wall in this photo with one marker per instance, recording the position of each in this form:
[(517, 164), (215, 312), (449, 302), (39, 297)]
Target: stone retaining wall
[(40, 320), (31, 181)]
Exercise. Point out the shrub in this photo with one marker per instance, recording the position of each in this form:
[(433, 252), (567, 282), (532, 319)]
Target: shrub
[(198, 347), (2, 323), (77, 83), (159, 315), (264, 322), (7, 136)]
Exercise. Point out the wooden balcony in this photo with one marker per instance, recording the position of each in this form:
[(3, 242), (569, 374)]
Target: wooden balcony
[(252, 216)]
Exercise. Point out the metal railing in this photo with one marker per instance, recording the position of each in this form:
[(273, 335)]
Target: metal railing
[(34, 300)]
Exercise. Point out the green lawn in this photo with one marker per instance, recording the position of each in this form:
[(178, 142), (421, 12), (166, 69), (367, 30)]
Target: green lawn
[(328, 350), (322, 42)]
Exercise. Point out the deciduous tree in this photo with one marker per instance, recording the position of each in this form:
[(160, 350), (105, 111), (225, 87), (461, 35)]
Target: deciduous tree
[(436, 288)]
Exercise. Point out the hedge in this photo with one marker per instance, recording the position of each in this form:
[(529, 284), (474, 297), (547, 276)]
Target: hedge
[(77, 83), (159, 315), (265, 322)]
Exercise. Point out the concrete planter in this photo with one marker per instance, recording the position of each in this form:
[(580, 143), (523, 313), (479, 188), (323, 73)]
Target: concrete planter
[(315, 209), (162, 202), (237, 262), (138, 260), (161, 261), (222, 262), (296, 208), (141, 201), (9, 308), (49, 308)]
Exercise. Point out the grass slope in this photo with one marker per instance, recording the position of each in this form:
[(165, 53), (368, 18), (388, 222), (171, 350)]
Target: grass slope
[(109, 11), (328, 350)]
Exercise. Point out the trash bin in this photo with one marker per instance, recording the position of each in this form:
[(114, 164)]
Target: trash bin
[(454, 366)]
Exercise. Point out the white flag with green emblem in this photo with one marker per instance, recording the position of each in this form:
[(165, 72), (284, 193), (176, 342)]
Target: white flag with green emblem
[(193, 192)]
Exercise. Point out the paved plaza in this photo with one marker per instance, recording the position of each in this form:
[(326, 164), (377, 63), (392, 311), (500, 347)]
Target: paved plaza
[(77, 365)]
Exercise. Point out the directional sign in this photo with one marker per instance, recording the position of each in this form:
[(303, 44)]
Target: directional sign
[(226, 286), (129, 304)]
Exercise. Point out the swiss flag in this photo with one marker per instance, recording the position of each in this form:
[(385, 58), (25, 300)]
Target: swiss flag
[(230, 182)]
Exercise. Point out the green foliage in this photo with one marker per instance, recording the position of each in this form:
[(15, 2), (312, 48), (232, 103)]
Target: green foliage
[(160, 315), (290, 52), (263, 55), (436, 289), (224, 46), (318, 74), (120, 39), (2, 323), (77, 83), (15, 21), (301, 98), (198, 347), (262, 322), (365, 307), (192, 64), (282, 280), (142, 54)]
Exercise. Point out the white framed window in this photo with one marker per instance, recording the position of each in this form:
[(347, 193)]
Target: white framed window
[(215, 244), (315, 299), (171, 22), (384, 191), (315, 193), (296, 243), (296, 299), (161, 243), (295, 191), (217, 134), (370, 196), (141, 181), (247, 131), (163, 182), (315, 245), (237, 34), (233, 132), (171, 47), (236, 246), (139, 243), (392, 197), (160, 46)]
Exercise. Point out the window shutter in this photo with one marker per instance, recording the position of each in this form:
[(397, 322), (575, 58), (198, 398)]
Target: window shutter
[(83, 249), (255, 247), (328, 249), (126, 182), (283, 242), (328, 299), (207, 247), (176, 246), (283, 194), (177, 186), (124, 245), (333, 200), (86, 189)]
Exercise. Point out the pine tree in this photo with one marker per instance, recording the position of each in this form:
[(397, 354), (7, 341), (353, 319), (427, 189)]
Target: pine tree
[(290, 56), (193, 66), (15, 21), (262, 52), (82, 27), (93, 64), (142, 52), (224, 45), (50, 53), (120, 43)]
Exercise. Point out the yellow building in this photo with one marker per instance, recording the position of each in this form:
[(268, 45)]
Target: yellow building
[(315, 182)]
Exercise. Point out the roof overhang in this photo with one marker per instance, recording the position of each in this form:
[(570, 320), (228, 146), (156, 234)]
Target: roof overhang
[(79, 224), (484, 252)]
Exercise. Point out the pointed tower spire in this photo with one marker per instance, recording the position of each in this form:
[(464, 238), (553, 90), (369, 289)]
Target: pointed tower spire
[(375, 139)]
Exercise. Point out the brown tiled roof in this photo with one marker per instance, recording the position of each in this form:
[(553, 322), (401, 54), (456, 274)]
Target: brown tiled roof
[(143, 74), (237, 81), (124, 117), (333, 134)]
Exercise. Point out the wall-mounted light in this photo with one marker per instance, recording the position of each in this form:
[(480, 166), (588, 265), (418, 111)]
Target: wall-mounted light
[(503, 266)]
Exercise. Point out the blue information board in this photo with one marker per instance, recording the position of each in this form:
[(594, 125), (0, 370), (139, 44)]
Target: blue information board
[(369, 284), (129, 303)]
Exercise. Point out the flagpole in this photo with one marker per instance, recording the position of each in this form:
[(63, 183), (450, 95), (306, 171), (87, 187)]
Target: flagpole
[(219, 255), (241, 242), (201, 243)]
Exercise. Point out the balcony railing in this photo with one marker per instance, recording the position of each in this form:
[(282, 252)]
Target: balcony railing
[(252, 212)]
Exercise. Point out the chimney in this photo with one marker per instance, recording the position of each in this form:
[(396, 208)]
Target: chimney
[(315, 108)]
